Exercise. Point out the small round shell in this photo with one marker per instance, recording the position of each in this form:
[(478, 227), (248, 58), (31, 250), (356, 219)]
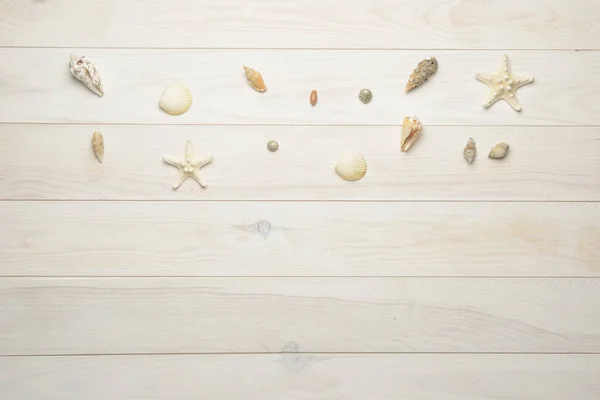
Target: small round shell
[(351, 167), (272, 146), (365, 96), (98, 145), (175, 99)]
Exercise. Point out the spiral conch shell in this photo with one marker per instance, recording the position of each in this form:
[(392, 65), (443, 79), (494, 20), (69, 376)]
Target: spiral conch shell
[(470, 150), (176, 99), (85, 71), (411, 129), (424, 70), (98, 145), (351, 167), (255, 79)]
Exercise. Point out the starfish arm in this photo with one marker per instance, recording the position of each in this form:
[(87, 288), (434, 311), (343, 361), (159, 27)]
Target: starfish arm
[(202, 163), (485, 78), (522, 80), (491, 98), (182, 179), (505, 65), (514, 102), (173, 162), (199, 180), (189, 151)]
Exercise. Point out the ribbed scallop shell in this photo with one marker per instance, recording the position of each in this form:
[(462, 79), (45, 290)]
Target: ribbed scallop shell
[(175, 99), (255, 79), (98, 145), (351, 167)]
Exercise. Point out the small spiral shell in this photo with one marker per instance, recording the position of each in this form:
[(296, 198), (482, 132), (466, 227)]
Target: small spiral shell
[(98, 145)]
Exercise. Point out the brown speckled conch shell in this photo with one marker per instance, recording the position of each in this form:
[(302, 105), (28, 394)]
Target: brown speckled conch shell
[(85, 71), (424, 70)]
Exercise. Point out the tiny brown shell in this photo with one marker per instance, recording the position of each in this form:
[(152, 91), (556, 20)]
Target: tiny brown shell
[(255, 79), (313, 98), (98, 145)]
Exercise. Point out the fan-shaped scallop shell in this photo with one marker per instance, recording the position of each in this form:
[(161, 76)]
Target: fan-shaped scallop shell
[(255, 79), (351, 167), (98, 145), (175, 99)]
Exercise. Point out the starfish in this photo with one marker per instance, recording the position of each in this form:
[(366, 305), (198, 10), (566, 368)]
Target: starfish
[(503, 85), (188, 167)]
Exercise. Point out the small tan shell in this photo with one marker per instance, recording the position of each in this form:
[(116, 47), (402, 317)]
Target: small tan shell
[(272, 146), (351, 167), (470, 150), (255, 79), (411, 130), (98, 145), (499, 151), (176, 99), (313, 98)]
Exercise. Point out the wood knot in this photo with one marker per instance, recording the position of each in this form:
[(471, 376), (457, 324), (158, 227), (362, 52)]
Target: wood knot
[(263, 227)]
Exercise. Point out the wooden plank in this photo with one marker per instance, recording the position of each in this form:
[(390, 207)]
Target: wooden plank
[(564, 93), (476, 24), (56, 162), (44, 316), (303, 376), (299, 239)]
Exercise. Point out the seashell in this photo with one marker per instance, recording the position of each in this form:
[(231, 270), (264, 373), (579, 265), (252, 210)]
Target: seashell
[(98, 145), (365, 96), (175, 99), (470, 150), (424, 70), (85, 71), (313, 98), (499, 151), (272, 146), (411, 130), (351, 167), (255, 79)]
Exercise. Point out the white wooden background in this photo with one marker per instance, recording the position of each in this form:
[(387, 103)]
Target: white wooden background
[(429, 279)]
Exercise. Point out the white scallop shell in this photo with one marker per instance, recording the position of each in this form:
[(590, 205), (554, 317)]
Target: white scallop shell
[(175, 99), (351, 167)]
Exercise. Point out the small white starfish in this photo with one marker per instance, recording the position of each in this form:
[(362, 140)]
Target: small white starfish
[(503, 85), (188, 167)]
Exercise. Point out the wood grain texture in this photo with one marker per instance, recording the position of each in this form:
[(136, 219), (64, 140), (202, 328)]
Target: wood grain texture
[(231, 315), (57, 162), (565, 90), (303, 377), (473, 24), (299, 239)]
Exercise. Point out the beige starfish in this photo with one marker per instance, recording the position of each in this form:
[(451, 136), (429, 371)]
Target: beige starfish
[(503, 85), (188, 167)]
